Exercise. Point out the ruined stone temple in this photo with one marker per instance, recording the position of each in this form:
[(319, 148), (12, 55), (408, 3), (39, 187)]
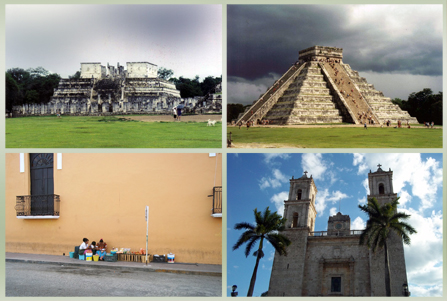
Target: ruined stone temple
[(331, 262), (315, 90), (110, 90)]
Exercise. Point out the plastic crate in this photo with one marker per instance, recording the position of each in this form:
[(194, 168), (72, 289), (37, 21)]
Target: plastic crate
[(76, 252), (159, 258), (110, 257)]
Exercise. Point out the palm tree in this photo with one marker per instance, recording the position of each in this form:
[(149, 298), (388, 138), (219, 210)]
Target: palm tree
[(267, 226), (383, 220)]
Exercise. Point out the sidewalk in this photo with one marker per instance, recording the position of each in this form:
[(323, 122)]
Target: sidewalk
[(181, 268)]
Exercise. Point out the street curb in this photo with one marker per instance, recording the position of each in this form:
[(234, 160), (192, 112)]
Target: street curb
[(158, 270)]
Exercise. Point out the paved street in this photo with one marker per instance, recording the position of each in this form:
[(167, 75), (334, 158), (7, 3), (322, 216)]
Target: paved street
[(34, 279)]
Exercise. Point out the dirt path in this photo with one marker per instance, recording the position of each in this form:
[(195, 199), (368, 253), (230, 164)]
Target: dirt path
[(157, 118)]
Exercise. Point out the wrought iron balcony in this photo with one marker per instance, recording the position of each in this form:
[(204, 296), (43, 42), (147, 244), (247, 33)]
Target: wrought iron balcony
[(217, 201), (38, 205)]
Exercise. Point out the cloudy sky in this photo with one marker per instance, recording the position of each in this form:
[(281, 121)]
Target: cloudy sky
[(184, 38), (398, 48), (261, 180)]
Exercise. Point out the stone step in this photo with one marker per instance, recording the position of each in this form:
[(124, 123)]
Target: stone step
[(304, 105), (300, 112), (311, 77), (307, 91), (314, 119), (307, 98)]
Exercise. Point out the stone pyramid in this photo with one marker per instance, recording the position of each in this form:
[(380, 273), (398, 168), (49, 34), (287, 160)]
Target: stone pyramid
[(320, 88)]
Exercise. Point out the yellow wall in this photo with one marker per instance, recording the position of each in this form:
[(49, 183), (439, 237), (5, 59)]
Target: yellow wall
[(104, 196)]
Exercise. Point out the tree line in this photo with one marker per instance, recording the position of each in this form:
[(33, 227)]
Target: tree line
[(424, 105), (36, 85), (190, 87)]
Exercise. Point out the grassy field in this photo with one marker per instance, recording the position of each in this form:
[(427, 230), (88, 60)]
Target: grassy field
[(108, 132), (337, 137)]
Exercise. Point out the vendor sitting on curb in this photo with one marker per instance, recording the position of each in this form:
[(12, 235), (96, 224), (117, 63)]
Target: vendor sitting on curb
[(93, 247), (102, 249), (84, 246)]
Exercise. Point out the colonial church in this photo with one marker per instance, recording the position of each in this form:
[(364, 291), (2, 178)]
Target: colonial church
[(332, 262)]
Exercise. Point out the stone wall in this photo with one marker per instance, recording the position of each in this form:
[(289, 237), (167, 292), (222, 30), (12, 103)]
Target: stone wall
[(141, 70), (334, 256)]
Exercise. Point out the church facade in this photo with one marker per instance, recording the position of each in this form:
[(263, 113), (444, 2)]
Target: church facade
[(332, 262)]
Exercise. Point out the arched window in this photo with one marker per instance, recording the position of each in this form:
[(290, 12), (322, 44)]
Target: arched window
[(298, 194), (381, 189), (295, 220)]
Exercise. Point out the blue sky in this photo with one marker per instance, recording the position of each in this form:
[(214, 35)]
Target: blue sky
[(261, 180)]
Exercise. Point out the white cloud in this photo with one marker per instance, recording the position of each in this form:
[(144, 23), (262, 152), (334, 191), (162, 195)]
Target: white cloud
[(425, 272), (320, 202), (358, 224), (314, 164), (336, 196), (365, 184), (405, 197), (424, 177), (358, 160), (278, 199), (362, 201), (332, 211), (419, 291), (324, 197), (270, 156), (274, 181), (264, 183)]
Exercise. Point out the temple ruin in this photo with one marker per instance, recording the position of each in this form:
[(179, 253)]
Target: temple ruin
[(320, 88), (109, 90)]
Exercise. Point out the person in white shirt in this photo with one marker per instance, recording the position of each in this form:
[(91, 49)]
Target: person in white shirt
[(83, 246)]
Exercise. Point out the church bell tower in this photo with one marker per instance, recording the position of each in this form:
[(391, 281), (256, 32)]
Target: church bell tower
[(299, 209), (288, 271), (381, 188), (381, 185)]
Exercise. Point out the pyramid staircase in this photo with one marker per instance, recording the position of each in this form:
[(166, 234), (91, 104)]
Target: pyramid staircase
[(306, 100), (382, 106), (263, 105)]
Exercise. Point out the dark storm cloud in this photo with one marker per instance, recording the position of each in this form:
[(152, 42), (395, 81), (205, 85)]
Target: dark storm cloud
[(265, 39)]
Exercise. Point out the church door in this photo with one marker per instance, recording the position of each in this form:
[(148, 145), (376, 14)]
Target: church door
[(42, 184)]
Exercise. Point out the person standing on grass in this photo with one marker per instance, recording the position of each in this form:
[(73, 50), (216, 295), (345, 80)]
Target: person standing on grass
[(179, 114), (174, 111)]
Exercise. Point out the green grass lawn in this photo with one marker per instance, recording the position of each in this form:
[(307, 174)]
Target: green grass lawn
[(105, 132), (338, 137)]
